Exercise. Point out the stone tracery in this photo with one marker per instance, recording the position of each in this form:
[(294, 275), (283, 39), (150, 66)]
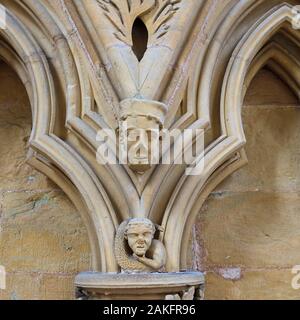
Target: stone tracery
[(52, 50)]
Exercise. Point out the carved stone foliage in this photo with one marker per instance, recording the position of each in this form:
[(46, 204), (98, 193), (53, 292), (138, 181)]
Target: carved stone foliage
[(156, 14)]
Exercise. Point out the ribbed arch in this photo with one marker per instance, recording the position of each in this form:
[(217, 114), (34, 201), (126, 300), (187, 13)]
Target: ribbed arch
[(225, 154), (48, 153)]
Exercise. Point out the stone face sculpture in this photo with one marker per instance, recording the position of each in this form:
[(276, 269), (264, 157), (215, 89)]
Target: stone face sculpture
[(136, 249), (140, 124)]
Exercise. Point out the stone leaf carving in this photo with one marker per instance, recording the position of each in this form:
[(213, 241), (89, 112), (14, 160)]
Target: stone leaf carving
[(136, 250), (122, 14)]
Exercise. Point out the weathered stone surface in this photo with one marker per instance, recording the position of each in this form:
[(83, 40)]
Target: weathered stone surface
[(266, 88), (42, 232), (247, 233), (261, 284), (38, 286), (272, 149), (251, 229), (43, 243), (15, 129)]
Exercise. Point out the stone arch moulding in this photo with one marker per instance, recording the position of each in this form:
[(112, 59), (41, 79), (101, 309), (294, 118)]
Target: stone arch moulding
[(81, 77), (226, 153), (48, 152), (280, 62)]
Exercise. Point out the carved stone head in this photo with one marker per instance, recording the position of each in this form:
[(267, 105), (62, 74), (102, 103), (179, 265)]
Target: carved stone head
[(139, 233), (140, 124)]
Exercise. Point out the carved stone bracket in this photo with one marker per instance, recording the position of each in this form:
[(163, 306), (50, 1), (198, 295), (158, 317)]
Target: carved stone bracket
[(140, 286), (140, 256)]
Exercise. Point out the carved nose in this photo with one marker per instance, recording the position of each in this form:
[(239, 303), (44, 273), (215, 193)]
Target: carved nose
[(141, 239)]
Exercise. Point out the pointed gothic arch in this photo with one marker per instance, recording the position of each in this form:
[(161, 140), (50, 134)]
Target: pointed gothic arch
[(48, 152), (211, 63), (226, 154)]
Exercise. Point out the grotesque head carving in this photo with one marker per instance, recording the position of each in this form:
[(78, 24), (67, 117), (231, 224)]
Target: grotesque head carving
[(139, 233), (136, 249)]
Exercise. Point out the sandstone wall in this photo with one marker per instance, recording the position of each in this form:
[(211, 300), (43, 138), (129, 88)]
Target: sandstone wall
[(247, 236), (43, 242)]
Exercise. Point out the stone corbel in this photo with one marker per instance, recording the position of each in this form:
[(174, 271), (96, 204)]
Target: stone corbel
[(142, 260)]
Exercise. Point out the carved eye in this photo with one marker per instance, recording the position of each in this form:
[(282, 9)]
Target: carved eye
[(139, 38)]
